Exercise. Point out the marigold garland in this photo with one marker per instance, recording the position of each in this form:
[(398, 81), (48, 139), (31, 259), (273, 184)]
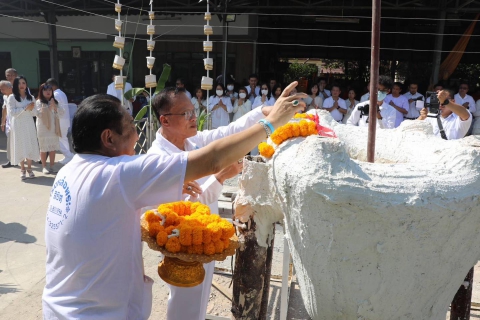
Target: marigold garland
[(304, 128), (189, 227)]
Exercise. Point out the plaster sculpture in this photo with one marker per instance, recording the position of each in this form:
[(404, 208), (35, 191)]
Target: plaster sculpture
[(392, 239)]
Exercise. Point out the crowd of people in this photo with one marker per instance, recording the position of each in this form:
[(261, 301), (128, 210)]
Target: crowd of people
[(36, 127)]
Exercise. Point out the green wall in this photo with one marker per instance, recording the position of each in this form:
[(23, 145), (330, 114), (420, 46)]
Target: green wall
[(25, 57)]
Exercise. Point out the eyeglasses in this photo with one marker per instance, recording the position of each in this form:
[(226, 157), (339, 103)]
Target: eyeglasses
[(189, 114)]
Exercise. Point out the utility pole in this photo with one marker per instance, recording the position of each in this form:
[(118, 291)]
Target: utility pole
[(437, 54), (52, 43)]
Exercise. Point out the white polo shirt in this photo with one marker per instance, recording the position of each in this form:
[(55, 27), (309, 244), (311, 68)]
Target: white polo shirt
[(413, 112), (94, 266), (387, 112), (401, 102), (471, 103), (365, 97), (454, 127), (328, 103)]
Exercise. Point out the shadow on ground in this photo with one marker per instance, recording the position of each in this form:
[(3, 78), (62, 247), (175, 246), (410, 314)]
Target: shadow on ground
[(15, 232)]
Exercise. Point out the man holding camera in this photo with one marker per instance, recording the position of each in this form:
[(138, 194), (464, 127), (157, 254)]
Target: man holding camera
[(453, 120), (386, 114)]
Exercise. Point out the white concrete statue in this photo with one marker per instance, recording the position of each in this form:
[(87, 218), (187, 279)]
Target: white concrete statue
[(392, 239)]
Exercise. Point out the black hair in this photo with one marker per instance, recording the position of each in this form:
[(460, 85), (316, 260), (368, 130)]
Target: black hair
[(385, 81), (221, 85), (52, 82), (163, 101), (269, 94), (313, 85), (253, 75), (335, 85), (95, 114), (322, 78), (41, 97), (181, 80), (275, 87), (398, 84), (438, 85), (16, 91)]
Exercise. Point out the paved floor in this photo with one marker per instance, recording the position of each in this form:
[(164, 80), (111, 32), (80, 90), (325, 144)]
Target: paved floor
[(22, 254)]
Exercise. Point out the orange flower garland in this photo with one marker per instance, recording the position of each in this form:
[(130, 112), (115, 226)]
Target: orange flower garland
[(189, 227), (303, 128)]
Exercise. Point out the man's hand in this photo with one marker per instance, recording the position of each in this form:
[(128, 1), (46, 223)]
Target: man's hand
[(230, 171), (466, 105), (192, 188), (392, 104), (423, 114), (410, 100)]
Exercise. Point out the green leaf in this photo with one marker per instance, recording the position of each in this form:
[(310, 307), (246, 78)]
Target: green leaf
[(133, 93), (201, 120), (142, 112), (163, 78)]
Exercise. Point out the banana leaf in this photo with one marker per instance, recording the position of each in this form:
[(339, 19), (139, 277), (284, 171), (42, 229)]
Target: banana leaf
[(163, 78), (133, 93), (142, 112), (201, 120)]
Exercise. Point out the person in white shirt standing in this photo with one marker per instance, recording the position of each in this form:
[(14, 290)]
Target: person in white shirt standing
[(180, 84), (454, 118), (464, 99), (118, 93), (413, 96), (60, 96), (335, 105), (366, 96), (386, 114), (265, 99), (220, 107), (324, 92), (10, 75), (94, 265), (398, 102), (176, 135), (252, 89)]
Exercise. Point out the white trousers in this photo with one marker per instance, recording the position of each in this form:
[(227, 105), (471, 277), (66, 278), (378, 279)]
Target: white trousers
[(191, 303), (64, 144)]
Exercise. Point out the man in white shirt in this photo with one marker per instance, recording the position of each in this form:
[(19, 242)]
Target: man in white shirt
[(178, 134), (253, 90), (322, 83), (60, 96), (6, 90), (462, 98), (398, 102), (335, 105), (455, 118), (437, 88), (127, 104), (10, 75), (413, 96), (180, 84), (366, 96), (386, 114), (94, 266)]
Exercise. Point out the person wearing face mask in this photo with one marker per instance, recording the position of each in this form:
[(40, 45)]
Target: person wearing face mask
[(232, 95), (386, 114), (265, 99), (220, 106), (242, 104)]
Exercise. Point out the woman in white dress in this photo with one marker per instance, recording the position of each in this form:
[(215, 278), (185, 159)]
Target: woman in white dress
[(314, 100), (199, 102), (231, 92), (242, 104), (220, 106), (351, 103), (265, 98), (48, 126), (24, 144)]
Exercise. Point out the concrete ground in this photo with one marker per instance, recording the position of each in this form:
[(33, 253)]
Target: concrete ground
[(22, 254)]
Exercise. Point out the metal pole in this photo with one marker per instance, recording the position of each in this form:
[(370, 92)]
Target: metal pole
[(374, 63), (437, 55), (52, 43), (225, 39)]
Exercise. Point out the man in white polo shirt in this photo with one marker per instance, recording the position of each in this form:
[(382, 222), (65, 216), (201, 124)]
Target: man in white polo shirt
[(454, 118), (335, 105), (413, 96), (464, 99), (398, 102)]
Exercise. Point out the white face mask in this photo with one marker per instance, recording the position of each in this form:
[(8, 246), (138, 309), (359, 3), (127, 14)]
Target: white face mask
[(230, 88), (219, 93), (381, 95), (264, 92), (242, 95)]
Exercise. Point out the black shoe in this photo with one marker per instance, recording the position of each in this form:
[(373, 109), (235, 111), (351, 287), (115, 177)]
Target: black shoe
[(7, 165)]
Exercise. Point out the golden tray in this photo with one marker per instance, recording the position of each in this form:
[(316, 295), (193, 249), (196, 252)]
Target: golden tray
[(183, 269)]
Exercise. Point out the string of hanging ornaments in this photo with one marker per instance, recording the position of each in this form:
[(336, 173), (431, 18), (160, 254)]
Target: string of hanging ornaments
[(119, 43), (207, 82), (151, 79)]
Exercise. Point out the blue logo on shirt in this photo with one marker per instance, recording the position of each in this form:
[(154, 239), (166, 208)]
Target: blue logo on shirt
[(60, 202)]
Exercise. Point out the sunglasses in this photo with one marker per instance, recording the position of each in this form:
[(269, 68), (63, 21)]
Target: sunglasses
[(47, 87)]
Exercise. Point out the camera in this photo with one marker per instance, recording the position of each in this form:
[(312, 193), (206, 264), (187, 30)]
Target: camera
[(433, 106), (364, 110)]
